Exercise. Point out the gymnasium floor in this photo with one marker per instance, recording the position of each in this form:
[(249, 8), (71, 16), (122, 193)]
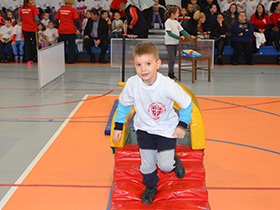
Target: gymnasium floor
[(54, 155)]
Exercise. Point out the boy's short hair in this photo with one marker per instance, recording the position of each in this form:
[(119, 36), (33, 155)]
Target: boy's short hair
[(144, 48), (103, 11), (8, 19)]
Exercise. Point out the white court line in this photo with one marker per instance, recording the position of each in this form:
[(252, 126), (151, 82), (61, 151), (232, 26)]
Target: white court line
[(38, 157)]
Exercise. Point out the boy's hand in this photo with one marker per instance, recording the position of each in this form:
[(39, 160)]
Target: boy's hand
[(179, 132), (117, 134)]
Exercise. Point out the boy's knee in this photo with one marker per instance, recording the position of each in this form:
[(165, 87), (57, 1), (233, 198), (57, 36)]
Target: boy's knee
[(166, 168)]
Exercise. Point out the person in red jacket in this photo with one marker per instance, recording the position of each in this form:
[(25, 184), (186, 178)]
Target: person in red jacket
[(68, 28), (261, 22), (29, 16)]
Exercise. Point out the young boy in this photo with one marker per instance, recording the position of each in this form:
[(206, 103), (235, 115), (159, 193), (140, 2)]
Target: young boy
[(46, 19), (6, 39), (18, 42), (51, 34), (155, 122), (117, 26)]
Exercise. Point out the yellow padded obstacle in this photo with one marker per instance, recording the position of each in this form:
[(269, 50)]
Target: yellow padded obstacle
[(197, 133)]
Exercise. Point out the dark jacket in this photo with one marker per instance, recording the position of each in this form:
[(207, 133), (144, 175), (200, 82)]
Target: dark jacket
[(246, 28), (217, 30), (210, 19), (228, 20), (102, 29), (192, 27)]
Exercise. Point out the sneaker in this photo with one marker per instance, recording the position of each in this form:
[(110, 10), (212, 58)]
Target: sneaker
[(29, 63), (179, 169), (148, 195), (16, 58), (21, 59)]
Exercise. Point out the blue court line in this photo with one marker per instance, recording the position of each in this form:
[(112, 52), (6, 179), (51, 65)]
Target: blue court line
[(109, 201), (244, 145), (241, 106)]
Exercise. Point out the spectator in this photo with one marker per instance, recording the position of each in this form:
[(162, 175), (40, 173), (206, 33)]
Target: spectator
[(115, 7), (81, 7), (231, 15), (68, 28), (183, 18), (6, 39), (195, 5), (29, 16), (269, 6), (136, 23), (106, 5), (190, 11), (211, 15), (84, 24), (11, 16), (41, 36), (275, 17), (46, 19), (51, 34), (156, 14), (226, 5), (18, 42), (117, 26), (104, 15), (205, 5), (263, 2), (97, 4), (251, 6), (220, 33), (262, 22), (14, 6), (184, 3), (42, 6), (2, 19), (241, 5), (96, 33), (241, 39), (197, 24), (56, 5)]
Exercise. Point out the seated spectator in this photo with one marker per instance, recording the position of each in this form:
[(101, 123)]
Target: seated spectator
[(196, 25), (104, 15), (190, 11), (41, 36), (195, 5), (220, 33), (263, 2), (84, 24), (184, 3), (156, 14), (262, 22), (6, 39), (55, 6), (226, 5), (274, 17), (241, 5), (14, 6), (251, 7), (211, 15), (205, 5), (231, 15), (42, 6), (269, 6), (117, 26), (51, 34), (183, 18), (241, 39), (18, 42), (11, 16), (45, 19), (96, 33)]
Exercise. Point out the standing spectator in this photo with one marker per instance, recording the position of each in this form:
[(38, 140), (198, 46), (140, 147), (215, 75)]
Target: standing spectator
[(41, 36), (231, 15), (68, 28), (18, 42), (220, 33), (136, 23), (51, 34), (117, 26), (14, 6), (251, 6), (211, 15), (29, 16), (6, 39), (46, 19), (42, 6), (241, 39), (173, 29), (262, 22), (275, 17), (56, 5), (96, 33), (115, 7), (156, 14)]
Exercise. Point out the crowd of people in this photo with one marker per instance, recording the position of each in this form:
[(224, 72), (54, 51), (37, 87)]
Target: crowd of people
[(243, 24)]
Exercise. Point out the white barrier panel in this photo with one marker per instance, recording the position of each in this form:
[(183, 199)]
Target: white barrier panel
[(51, 63)]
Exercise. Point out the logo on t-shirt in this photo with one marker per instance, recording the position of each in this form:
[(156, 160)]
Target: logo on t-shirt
[(155, 109)]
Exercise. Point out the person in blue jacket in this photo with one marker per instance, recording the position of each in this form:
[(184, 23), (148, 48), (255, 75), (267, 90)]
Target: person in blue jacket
[(241, 39)]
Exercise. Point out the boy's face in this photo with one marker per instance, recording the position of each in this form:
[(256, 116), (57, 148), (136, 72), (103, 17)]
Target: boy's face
[(50, 25), (117, 16), (10, 15), (46, 16), (88, 14), (7, 23), (19, 23), (183, 11), (146, 68), (104, 15)]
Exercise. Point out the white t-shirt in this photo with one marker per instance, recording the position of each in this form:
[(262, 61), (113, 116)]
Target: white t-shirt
[(14, 4), (153, 104), (57, 4), (239, 9), (106, 4), (225, 6), (251, 7), (43, 4), (96, 4), (175, 27), (17, 31), (6, 32), (45, 22), (51, 33)]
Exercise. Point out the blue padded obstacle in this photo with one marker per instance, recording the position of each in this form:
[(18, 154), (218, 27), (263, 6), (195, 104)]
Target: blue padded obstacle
[(109, 123)]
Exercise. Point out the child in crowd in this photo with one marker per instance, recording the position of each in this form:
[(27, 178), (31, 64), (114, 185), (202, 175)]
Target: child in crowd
[(11, 16), (18, 42), (106, 5), (2, 19), (42, 6), (251, 7), (51, 34), (226, 5), (6, 39), (81, 7), (156, 14), (46, 19), (156, 132), (173, 29), (241, 5), (41, 36), (183, 18), (84, 23), (14, 6), (195, 6), (117, 26), (104, 15)]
